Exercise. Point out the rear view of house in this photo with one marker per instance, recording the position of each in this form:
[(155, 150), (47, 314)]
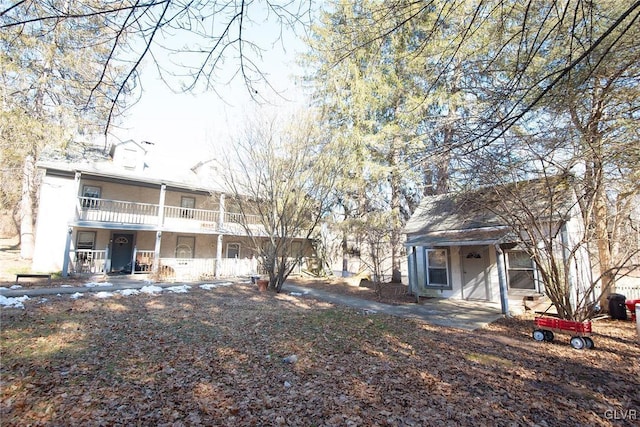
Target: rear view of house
[(118, 215)]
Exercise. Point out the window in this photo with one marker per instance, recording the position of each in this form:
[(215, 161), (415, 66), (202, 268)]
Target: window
[(520, 270), (437, 265), (188, 204), (233, 250), (185, 246), (85, 240), (90, 194), (85, 243), (129, 158)]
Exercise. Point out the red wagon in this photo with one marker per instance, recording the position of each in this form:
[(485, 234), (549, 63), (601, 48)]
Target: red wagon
[(580, 331)]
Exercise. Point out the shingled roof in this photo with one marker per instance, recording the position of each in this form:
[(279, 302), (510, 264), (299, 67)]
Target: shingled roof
[(487, 215)]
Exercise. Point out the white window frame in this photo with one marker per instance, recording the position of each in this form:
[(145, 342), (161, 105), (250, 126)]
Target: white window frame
[(229, 245), (188, 204), (428, 268), (90, 192), (531, 269)]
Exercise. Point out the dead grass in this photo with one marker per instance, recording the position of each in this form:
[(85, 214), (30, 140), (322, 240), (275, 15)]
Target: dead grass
[(216, 358)]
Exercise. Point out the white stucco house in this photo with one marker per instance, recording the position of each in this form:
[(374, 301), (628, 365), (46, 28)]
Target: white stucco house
[(114, 214), (460, 247)]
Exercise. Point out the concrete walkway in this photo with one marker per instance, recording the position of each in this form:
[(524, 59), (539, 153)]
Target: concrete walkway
[(449, 313)]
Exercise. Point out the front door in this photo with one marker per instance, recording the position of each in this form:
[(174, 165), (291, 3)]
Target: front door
[(121, 252), (475, 266)]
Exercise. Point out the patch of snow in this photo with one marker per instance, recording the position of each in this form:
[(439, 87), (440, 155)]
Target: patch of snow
[(15, 287), (295, 294), (208, 286), (42, 300), (13, 302), (66, 286), (76, 295), (96, 284), (181, 289), (127, 292), (225, 284), (151, 289), (3, 288), (104, 294)]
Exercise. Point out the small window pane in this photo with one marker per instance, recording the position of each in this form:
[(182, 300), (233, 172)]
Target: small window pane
[(521, 279), (438, 276), (438, 259), (520, 260)]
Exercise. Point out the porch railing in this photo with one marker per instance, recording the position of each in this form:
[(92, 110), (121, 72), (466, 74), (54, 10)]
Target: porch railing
[(88, 261), (106, 210)]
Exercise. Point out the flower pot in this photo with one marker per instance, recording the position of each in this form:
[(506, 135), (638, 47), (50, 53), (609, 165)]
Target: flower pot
[(262, 284)]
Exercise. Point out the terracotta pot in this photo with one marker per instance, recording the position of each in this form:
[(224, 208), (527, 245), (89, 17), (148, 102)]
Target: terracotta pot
[(262, 285)]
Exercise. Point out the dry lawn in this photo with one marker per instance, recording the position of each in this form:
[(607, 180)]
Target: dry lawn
[(215, 357)]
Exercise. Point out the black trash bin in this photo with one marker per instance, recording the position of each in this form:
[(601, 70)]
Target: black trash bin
[(617, 309)]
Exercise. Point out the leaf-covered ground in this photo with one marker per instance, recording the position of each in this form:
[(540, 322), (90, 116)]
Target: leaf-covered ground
[(215, 357)]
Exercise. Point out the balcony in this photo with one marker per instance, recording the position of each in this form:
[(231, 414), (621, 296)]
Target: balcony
[(97, 210)]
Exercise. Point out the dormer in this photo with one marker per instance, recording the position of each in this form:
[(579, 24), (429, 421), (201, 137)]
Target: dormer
[(129, 155)]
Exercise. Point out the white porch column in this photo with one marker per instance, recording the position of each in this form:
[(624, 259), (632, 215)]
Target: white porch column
[(218, 256), (221, 212), (156, 252), (67, 246), (502, 280), (163, 194)]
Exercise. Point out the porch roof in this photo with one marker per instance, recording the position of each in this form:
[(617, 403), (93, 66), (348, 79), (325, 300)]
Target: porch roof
[(477, 236)]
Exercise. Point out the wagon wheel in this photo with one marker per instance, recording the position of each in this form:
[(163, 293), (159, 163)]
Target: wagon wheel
[(548, 336), (588, 342), (538, 335), (578, 343)]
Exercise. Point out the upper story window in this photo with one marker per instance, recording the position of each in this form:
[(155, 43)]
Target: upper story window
[(89, 193), (129, 158), (437, 267), (187, 204), (520, 271)]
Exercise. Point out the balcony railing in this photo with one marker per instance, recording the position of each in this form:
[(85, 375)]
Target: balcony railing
[(104, 210), (123, 212)]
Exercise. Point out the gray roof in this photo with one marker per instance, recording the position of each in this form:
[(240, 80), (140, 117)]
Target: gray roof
[(104, 168), (488, 215)]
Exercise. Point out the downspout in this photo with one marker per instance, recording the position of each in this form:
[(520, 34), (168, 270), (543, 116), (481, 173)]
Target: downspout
[(502, 280)]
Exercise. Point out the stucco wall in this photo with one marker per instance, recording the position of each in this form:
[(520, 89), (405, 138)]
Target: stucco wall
[(57, 202)]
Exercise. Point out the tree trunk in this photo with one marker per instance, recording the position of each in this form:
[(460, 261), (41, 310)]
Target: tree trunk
[(26, 210), (607, 278)]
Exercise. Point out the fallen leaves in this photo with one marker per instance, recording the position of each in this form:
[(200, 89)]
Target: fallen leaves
[(216, 357)]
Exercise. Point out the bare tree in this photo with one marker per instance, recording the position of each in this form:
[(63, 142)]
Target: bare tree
[(283, 179), (193, 44)]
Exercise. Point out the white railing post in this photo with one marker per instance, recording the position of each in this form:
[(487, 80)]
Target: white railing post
[(107, 260)]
